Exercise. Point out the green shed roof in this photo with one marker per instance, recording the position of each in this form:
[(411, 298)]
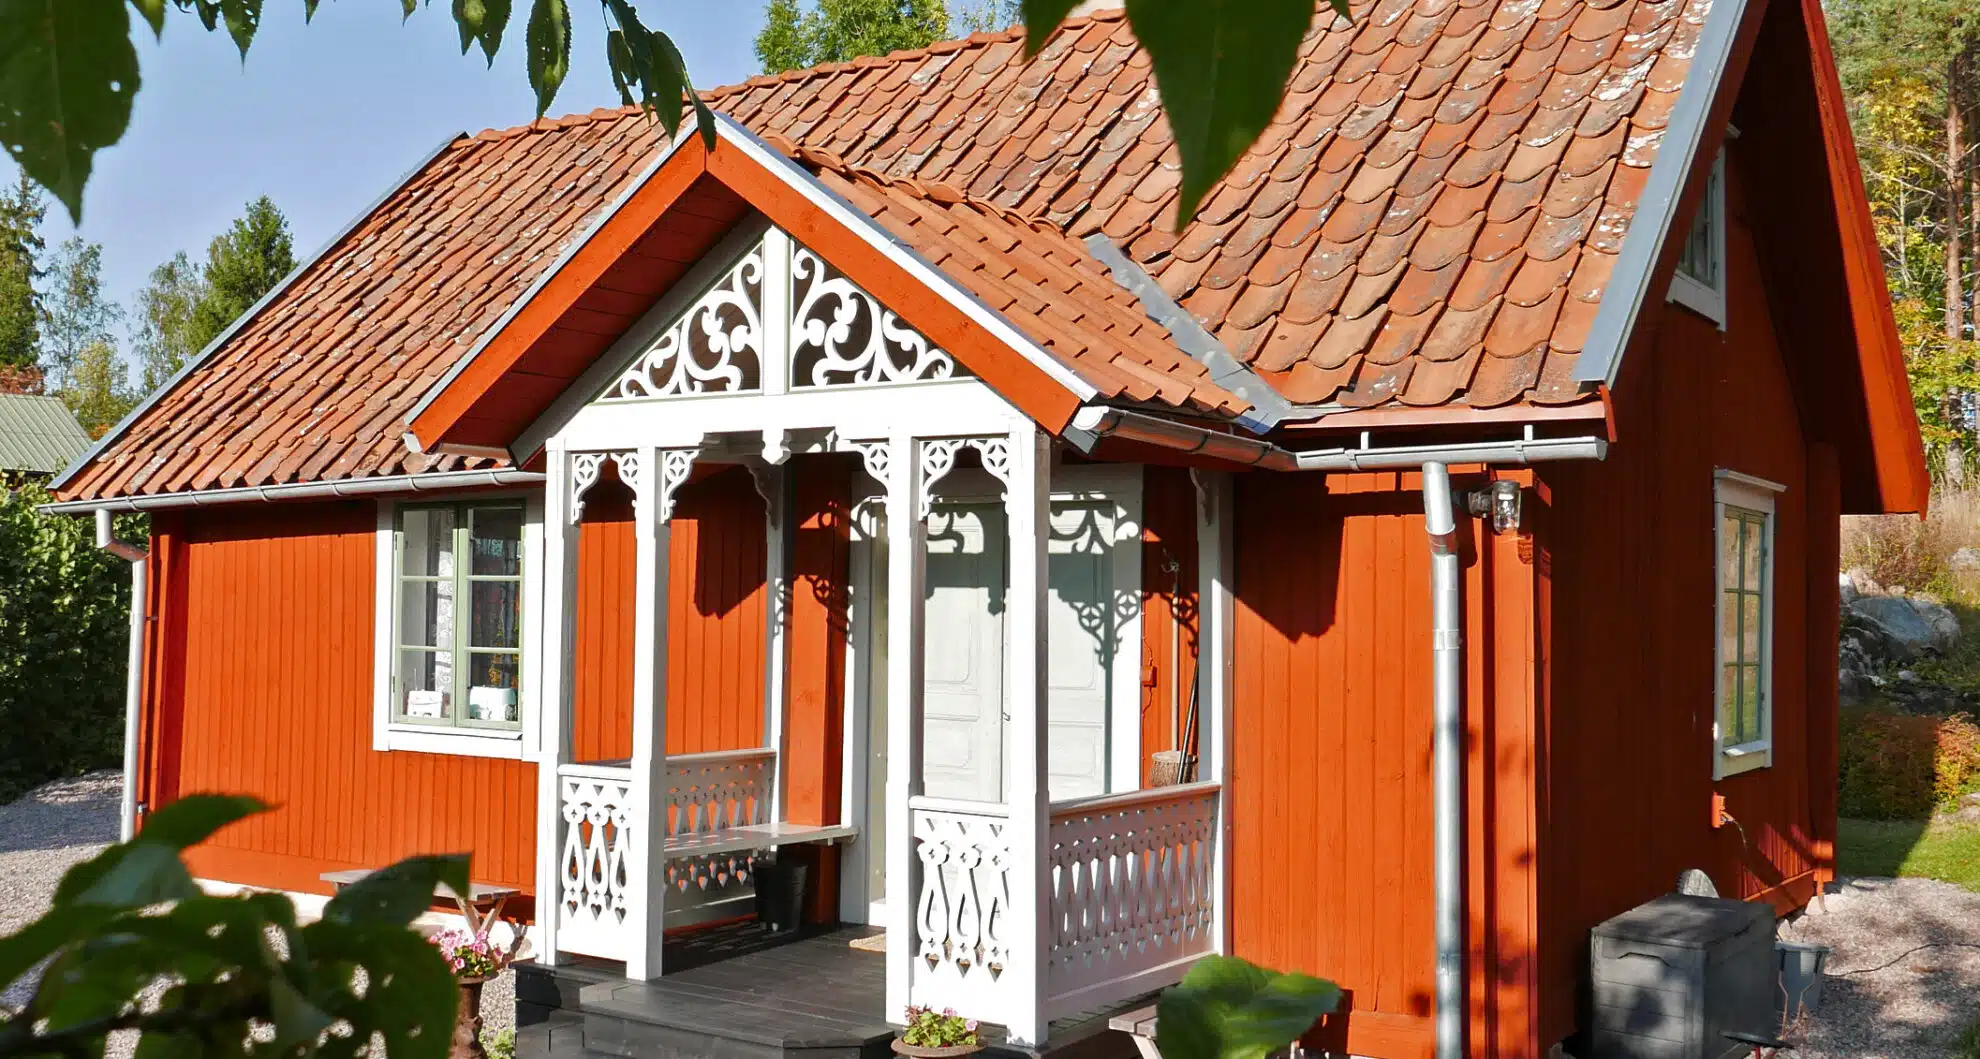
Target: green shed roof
[(37, 434)]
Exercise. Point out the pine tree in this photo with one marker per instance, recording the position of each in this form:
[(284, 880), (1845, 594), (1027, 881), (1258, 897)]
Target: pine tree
[(21, 213), (242, 264), (165, 338), (841, 30)]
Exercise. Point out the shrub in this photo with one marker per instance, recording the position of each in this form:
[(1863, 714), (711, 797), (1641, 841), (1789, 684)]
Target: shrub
[(1917, 553), (1897, 766), (63, 637)]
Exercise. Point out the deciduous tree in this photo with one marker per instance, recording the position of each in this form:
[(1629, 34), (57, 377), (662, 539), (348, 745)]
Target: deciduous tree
[(841, 30), (75, 314), (165, 338)]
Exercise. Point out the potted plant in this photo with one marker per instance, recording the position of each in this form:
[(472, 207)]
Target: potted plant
[(474, 961), (936, 1035)]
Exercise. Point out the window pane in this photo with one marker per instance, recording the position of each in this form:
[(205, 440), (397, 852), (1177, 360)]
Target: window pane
[(492, 688), (426, 613), (426, 684), (1749, 704), (1755, 553), (1729, 626), (497, 613), (1729, 551), (1749, 628), (427, 537), (1729, 705), (497, 541)]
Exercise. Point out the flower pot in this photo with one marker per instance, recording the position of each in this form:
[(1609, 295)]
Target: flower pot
[(467, 1022), (916, 1051)]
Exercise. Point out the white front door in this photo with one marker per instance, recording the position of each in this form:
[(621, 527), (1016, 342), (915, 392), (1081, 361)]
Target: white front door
[(962, 752), (1083, 626)]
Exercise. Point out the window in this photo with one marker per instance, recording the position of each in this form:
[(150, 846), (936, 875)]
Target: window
[(453, 622), (1745, 593), (1700, 281)]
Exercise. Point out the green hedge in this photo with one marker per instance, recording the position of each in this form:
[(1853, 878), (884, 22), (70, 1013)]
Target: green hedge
[(1902, 767), (64, 634)]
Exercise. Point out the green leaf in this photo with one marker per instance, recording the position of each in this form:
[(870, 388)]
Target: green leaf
[(482, 21), (297, 1021), (147, 874), (704, 118), (1228, 1008), (1222, 67), (42, 938), (1041, 18), (397, 894), (154, 13), (196, 817), (68, 73), (243, 17), (548, 42)]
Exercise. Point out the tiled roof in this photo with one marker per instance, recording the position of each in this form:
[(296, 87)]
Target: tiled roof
[(38, 434), (1430, 222), (1041, 279)]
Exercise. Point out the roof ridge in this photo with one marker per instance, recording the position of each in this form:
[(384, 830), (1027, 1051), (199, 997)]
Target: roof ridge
[(711, 95)]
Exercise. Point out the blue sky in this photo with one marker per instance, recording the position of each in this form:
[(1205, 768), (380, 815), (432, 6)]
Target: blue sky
[(325, 118)]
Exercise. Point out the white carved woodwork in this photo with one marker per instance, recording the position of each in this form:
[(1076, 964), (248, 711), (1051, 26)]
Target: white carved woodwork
[(716, 346), (711, 792), (962, 908), (843, 336), (874, 457), (599, 829), (584, 475), (938, 458), (996, 454), (1132, 890), (675, 466)]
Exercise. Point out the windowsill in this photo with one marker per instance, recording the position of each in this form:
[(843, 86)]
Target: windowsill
[(461, 742), (1746, 757), (1699, 298)]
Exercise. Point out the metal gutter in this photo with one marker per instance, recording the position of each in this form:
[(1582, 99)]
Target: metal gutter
[(345, 487), (106, 539), (241, 321), (1615, 317), (1094, 422)]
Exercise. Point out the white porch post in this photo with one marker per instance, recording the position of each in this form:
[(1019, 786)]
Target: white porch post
[(646, 912), (1028, 502), (1214, 639), (906, 567), (774, 483), (553, 698)]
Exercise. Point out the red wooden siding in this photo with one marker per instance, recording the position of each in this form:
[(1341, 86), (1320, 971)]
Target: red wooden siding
[(1630, 554), (715, 620), (1331, 770), (272, 609), (1168, 533)]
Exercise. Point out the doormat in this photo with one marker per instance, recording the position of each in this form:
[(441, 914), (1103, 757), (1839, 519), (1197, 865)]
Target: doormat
[(870, 943)]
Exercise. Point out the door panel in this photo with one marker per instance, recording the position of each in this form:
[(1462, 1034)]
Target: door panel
[(963, 719), (1082, 629)]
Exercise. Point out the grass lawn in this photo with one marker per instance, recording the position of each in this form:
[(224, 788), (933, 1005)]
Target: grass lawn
[(1943, 849)]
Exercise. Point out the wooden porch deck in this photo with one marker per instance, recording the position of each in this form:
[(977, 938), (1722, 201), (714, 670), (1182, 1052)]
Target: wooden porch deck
[(736, 992)]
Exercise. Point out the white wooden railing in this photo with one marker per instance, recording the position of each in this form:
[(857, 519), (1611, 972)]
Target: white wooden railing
[(705, 793), (962, 906), (1133, 902)]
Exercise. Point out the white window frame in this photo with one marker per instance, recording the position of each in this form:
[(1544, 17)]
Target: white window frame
[(386, 734), (1707, 299), (1732, 489)]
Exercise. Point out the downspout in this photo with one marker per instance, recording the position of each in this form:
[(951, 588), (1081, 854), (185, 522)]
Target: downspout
[(106, 539), (1446, 639)]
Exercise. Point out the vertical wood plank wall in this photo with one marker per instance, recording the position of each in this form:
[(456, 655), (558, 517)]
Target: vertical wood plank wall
[(1332, 756), (261, 682), (272, 696), (1168, 532), (715, 620), (1630, 553)]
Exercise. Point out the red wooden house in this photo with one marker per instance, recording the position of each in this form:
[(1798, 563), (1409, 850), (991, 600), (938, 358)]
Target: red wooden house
[(885, 480)]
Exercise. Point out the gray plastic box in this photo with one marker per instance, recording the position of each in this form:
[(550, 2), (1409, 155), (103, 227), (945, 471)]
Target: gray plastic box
[(1673, 975)]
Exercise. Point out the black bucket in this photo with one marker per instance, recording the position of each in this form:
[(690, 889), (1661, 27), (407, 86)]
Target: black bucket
[(780, 894)]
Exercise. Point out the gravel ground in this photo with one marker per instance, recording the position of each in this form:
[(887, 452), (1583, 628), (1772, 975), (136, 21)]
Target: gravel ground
[(56, 825), (1904, 979)]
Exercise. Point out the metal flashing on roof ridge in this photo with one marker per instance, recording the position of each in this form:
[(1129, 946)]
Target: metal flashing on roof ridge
[(499, 478), (1615, 317), (690, 124), (1269, 407), (199, 360)]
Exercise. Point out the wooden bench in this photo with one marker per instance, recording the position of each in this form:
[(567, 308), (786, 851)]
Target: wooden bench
[(480, 895), (1139, 1024)]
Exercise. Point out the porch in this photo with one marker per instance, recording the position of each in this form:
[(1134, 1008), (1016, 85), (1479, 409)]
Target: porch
[(989, 809)]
